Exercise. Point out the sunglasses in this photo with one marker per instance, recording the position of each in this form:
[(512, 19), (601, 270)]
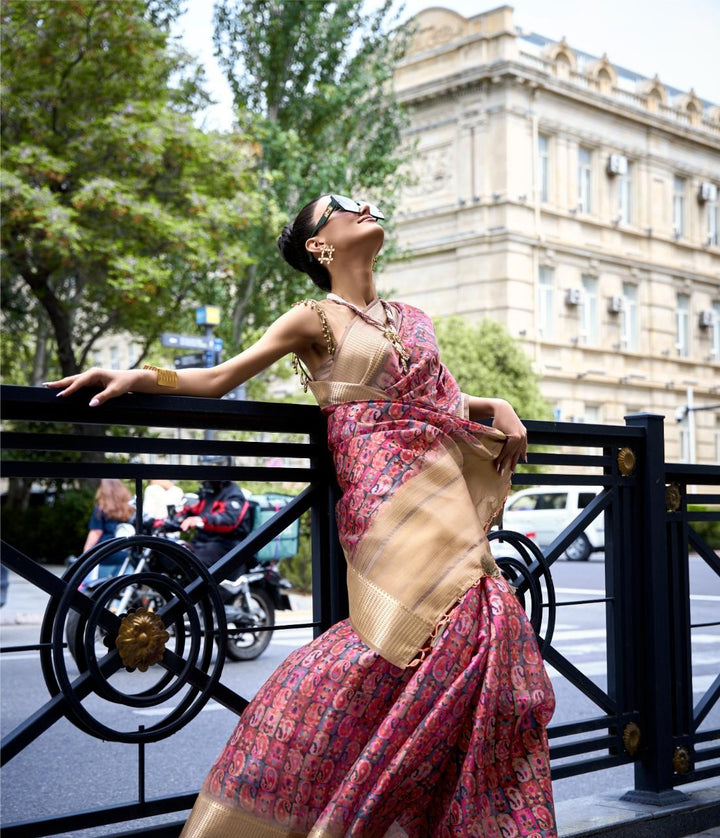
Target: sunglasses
[(346, 204)]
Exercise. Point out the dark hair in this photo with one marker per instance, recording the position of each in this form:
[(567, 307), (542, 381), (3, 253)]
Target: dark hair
[(291, 243)]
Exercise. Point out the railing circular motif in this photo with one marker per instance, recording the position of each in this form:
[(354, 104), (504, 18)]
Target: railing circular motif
[(528, 572), (173, 602)]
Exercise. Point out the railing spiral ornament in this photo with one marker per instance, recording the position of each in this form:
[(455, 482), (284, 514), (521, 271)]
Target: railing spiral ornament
[(161, 647), (526, 569)]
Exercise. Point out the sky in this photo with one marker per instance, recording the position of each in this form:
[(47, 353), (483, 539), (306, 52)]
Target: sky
[(677, 40)]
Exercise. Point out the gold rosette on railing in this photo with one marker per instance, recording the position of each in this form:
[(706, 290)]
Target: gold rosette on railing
[(141, 639)]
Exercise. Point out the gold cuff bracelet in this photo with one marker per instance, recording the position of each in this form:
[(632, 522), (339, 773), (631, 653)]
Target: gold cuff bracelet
[(165, 378)]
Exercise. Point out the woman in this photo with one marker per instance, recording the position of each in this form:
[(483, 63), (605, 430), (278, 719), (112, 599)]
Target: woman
[(112, 507), (424, 714)]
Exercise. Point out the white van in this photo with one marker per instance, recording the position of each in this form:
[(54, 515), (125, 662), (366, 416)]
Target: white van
[(543, 512)]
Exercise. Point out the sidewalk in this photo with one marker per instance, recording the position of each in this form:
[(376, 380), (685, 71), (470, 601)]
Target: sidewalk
[(25, 603), (606, 816)]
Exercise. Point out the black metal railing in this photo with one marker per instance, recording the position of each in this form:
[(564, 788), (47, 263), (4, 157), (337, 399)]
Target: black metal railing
[(643, 714)]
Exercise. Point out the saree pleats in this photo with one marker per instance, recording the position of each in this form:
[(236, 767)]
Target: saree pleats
[(340, 742)]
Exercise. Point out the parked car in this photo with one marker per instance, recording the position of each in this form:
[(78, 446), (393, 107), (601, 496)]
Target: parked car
[(543, 512)]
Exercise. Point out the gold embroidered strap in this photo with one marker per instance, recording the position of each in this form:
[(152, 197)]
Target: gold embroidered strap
[(164, 378), (298, 367)]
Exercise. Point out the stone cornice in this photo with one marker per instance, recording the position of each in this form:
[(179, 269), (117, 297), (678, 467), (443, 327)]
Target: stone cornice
[(516, 72)]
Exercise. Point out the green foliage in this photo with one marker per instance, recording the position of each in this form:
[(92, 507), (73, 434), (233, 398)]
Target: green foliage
[(298, 568), (709, 531), (50, 532), (486, 361), (312, 83), (119, 214)]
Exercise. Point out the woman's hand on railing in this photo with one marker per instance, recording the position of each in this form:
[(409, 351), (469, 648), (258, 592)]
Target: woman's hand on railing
[(113, 383), (506, 420)]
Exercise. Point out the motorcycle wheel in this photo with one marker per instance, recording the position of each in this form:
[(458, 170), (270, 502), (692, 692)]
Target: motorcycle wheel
[(248, 645), (74, 634)]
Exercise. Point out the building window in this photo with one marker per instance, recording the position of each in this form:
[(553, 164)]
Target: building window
[(545, 301), (584, 179), (544, 166), (592, 414), (114, 358), (629, 315), (133, 354), (589, 311), (716, 333), (679, 207), (625, 195), (711, 214), (682, 325)]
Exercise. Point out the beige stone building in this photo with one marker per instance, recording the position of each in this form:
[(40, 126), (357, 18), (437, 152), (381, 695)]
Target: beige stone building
[(577, 203)]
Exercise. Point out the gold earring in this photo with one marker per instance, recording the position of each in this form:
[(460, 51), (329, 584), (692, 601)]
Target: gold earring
[(326, 254), (374, 261)]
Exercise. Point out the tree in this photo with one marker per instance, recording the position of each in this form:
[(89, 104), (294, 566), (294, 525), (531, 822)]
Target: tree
[(486, 361), (119, 214), (312, 83)]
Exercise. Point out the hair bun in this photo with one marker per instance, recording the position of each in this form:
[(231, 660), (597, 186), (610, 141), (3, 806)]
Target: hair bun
[(288, 248)]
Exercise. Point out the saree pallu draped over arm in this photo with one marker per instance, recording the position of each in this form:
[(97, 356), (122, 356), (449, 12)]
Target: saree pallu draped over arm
[(419, 484)]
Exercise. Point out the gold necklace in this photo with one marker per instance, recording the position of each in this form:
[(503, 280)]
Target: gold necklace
[(388, 328)]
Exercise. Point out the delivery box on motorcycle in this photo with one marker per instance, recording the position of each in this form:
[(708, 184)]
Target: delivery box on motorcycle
[(284, 545)]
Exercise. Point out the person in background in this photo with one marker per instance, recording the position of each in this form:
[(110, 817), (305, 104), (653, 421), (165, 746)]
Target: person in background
[(221, 517), (112, 507), (159, 495)]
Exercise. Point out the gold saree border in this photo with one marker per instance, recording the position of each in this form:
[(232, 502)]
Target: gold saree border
[(212, 819), (386, 625), (407, 572)]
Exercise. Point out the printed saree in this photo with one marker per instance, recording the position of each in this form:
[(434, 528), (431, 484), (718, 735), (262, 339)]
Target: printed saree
[(424, 714)]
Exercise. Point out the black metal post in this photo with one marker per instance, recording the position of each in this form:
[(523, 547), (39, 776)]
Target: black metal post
[(654, 769)]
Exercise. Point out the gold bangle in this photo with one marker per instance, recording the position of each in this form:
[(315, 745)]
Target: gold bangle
[(164, 378)]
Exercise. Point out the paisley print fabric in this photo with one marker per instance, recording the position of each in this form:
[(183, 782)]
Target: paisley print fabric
[(343, 743)]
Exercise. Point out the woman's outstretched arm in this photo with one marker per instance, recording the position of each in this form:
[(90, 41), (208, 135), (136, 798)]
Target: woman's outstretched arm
[(295, 331), (506, 420)]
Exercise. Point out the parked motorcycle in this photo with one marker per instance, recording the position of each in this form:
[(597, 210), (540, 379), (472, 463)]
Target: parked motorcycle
[(250, 598)]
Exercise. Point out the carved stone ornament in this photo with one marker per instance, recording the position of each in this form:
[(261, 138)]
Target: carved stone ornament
[(626, 461), (141, 639), (673, 497), (631, 738), (681, 760)]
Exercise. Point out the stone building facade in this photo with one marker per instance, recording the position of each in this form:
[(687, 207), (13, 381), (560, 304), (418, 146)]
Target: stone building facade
[(577, 203)]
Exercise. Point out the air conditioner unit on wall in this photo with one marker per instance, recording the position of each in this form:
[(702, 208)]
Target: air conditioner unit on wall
[(617, 164), (705, 319), (573, 297), (707, 192), (615, 305)]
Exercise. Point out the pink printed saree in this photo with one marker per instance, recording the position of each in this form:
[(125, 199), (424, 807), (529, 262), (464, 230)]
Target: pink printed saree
[(424, 714)]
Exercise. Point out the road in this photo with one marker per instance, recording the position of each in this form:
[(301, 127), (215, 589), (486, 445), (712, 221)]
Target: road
[(65, 770)]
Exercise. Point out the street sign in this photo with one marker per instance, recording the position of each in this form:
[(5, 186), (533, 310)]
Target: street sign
[(207, 316), (195, 359), (187, 341)]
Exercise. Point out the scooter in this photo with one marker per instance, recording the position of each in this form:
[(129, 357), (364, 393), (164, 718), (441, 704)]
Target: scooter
[(250, 598)]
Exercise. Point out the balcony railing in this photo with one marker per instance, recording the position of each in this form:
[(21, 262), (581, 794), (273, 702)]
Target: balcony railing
[(644, 712)]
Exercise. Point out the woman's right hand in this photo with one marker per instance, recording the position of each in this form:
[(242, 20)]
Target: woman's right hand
[(113, 383)]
